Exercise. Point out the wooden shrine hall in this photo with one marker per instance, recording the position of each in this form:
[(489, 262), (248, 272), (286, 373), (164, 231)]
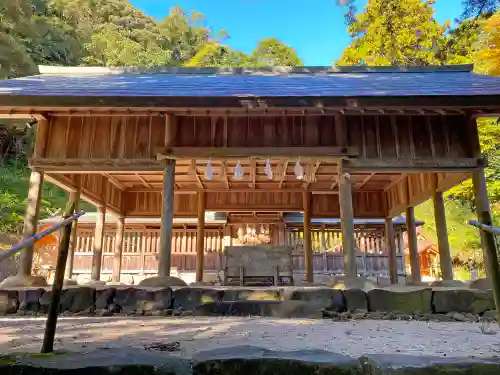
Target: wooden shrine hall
[(348, 143)]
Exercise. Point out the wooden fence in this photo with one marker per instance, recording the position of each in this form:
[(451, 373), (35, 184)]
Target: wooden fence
[(140, 249)]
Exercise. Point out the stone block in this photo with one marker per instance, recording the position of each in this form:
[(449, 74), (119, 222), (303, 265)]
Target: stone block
[(8, 301), (251, 294), (274, 309), (18, 281), (480, 284), (104, 297), (411, 301), (121, 361), (29, 299), (344, 282), (142, 299), (449, 284), (259, 361), (73, 299), (355, 300), (188, 298), (324, 298), (474, 301), (390, 364), (162, 282)]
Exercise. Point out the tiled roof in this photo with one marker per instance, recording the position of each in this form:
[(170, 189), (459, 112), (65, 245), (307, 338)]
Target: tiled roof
[(305, 82)]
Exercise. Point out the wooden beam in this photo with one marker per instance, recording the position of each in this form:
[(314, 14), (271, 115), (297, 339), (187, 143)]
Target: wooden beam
[(413, 165), (367, 178), (165, 251), (95, 166), (200, 237), (98, 242), (194, 172), (31, 222), (312, 175), (117, 255), (326, 153), (143, 180), (396, 181), (283, 170), (307, 237), (115, 182), (347, 220), (21, 116)]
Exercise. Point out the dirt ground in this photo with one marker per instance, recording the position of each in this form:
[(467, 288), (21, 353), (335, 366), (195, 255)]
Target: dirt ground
[(353, 338)]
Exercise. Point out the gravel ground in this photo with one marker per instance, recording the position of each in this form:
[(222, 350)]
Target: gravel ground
[(353, 338)]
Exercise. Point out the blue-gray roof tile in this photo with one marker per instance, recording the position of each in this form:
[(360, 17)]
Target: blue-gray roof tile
[(354, 84)]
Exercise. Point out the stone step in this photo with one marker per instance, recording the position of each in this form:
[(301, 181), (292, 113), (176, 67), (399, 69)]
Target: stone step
[(240, 360)]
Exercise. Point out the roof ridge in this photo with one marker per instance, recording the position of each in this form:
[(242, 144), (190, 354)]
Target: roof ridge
[(313, 70)]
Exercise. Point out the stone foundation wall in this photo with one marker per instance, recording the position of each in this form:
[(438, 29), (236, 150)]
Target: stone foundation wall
[(286, 302)]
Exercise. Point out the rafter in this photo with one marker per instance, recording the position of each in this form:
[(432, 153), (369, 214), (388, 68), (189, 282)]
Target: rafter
[(115, 182), (312, 175), (367, 178), (143, 181), (194, 172), (284, 168)]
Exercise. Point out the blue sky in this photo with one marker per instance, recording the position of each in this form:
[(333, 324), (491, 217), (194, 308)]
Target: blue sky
[(315, 28)]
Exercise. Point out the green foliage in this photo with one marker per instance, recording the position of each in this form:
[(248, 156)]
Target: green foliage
[(395, 32), (269, 52), (272, 52), (14, 183)]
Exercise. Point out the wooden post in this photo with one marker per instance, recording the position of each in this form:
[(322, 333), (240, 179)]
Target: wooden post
[(413, 245), (307, 237), (200, 237), (117, 256), (50, 325), (390, 243), (347, 222), (31, 222), (74, 197), (482, 205), (98, 242), (442, 236), (167, 217)]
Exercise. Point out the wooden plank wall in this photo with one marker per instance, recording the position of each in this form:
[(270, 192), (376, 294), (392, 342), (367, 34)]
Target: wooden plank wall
[(416, 188), (137, 137)]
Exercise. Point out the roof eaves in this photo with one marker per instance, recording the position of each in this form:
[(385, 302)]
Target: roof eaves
[(312, 70)]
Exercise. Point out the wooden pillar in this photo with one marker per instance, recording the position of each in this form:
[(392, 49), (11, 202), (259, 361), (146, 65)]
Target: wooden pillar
[(484, 215), (74, 198), (413, 245), (307, 237), (31, 222), (165, 251), (390, 243), (200, 237), (347, 222), (281, 234), (442, 236), (117, 255), (98, 242)]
